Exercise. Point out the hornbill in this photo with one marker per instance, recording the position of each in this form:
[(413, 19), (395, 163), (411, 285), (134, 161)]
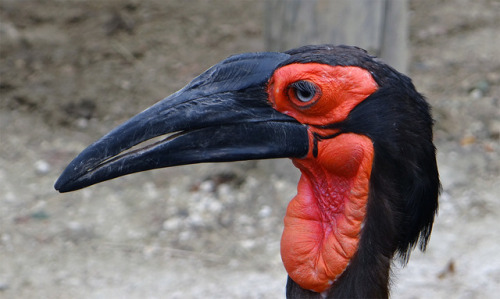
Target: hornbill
[(357, 129)]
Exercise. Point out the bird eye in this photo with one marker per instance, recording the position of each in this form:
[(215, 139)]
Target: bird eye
[(304, 91)]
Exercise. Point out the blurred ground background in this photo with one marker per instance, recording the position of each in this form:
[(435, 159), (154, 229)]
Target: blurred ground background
[(72, 70)]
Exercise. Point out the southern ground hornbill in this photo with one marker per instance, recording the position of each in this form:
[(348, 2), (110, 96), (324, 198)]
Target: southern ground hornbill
[(358, 130)]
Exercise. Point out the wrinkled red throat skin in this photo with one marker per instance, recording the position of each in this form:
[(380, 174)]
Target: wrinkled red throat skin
[(323, 221)]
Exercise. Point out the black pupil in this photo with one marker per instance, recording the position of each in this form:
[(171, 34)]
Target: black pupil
[(304, 90), (304, 93)]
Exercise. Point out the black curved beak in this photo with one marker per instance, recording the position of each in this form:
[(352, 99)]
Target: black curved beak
[(222, 115)]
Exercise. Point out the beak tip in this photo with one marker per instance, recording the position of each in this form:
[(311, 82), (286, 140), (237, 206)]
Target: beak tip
[(61, 186), (66, 182), (66, 187)]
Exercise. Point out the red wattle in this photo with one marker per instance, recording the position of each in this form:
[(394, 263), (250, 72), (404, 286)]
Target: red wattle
[(324, 220)]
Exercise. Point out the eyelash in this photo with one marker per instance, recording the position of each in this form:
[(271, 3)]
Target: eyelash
[(303, 91)]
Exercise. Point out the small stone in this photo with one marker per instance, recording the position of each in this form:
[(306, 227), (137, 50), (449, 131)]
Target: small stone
[(75, 226), (185, 235), (214, 206), (265, 211), (195, 220), (476, 93), (82, 123), (468, 140), (248, 244), (172, 224), (207, 186), (150, 190), (42, 167)]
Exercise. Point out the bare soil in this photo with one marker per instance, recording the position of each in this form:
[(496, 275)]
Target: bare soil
[(72, 70)]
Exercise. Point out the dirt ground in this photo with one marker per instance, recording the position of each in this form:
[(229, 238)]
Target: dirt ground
[(72, 70)]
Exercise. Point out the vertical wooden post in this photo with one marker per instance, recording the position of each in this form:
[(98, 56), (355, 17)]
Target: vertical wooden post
[(379, 26), (394, 46)]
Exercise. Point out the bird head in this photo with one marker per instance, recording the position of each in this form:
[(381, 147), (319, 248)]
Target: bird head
[(357, 129)]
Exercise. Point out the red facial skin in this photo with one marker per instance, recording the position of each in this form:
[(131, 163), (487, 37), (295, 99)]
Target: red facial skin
[(323, 221)]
